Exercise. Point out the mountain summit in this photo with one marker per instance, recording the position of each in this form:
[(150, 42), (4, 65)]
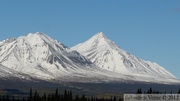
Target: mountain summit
[(38, 56), (100, 40), (107, 55)]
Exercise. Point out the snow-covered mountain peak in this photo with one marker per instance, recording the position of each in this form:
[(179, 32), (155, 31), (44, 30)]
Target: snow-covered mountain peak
[(33, 38), (107, 55), (36, 37), (39, 56), (99, 35), (100, 41), (39, 53), (40, 39)]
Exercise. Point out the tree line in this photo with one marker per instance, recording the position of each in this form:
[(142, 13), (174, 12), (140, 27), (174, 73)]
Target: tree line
[(152, 91), (68, 96)]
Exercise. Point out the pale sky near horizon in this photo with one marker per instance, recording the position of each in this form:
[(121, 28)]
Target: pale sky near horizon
[(148, 29)]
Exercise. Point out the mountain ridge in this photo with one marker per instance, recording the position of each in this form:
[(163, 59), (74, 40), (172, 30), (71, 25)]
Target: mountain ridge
[(39, 56), (39, 50), (103, 51)]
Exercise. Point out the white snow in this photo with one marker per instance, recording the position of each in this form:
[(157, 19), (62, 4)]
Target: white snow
[(42, 57), (107, 55), (39, 56)]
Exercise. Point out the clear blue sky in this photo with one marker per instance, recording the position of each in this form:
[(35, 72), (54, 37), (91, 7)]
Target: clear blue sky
[(148, 29)]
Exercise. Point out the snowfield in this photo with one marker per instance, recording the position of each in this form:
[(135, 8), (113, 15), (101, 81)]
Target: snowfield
[(39, 56)]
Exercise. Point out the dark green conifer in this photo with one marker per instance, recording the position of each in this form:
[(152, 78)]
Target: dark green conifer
[(30, 94)]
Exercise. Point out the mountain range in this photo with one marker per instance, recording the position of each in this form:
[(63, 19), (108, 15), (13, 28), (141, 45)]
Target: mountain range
[(99, 59)]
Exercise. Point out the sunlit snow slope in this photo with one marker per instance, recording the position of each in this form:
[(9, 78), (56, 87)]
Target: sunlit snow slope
[(109, 56), (40, 56)]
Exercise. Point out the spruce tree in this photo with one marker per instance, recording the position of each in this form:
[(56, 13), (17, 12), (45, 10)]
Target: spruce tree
[(114, 99), (44, 97), (83, 98), (65, 95), (12, 99), (30, 94), (70, 96), (35, 96), (139, 91), (150, 90), (7, 98), (56, 94), (77, 98)]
